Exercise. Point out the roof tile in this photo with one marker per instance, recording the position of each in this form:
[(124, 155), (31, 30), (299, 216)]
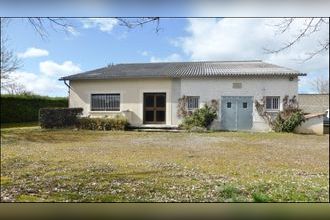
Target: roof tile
[(185, 70)]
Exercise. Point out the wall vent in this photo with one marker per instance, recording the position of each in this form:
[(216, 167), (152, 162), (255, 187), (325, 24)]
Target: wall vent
[(237, 85)]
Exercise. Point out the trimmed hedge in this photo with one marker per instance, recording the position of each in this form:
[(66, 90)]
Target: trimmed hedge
[(25, 108), (103, 124), (58, 117)]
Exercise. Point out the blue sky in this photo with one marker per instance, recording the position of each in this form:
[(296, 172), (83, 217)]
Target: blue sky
[(96, 42), (92, 47)]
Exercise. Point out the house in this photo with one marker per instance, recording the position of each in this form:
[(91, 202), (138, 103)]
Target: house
[(148, 93)]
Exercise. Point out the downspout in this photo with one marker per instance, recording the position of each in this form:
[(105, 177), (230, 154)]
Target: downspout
[(69, 88)]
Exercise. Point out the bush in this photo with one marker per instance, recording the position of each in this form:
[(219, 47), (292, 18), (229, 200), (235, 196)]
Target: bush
[(288, 123), (25, 108), (287, 119), (58, 117), (104, 124), (202, 117)]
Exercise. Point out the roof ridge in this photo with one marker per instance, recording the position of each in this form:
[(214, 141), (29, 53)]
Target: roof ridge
[(204, 61)]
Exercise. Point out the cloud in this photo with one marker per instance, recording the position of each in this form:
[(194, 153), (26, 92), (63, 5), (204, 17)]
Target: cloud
[(171, 58), (33, 52), (246, 39), (40, 84), (103, 24), (51, 68), (73, 31), (46, 81), (145, 53), (238, 39)]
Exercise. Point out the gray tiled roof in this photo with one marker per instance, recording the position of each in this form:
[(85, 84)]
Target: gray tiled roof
[(186, 70)]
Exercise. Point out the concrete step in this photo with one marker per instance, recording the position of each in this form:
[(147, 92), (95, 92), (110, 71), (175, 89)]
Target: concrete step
[(156, 130)]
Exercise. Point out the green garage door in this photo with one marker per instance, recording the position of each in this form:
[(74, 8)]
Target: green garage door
[(236, 112)]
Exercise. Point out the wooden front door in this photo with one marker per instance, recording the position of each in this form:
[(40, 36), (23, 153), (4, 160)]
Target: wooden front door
[(154, 108)]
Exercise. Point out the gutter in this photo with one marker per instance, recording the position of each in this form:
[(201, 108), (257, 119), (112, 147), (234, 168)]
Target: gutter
[(69, 89)]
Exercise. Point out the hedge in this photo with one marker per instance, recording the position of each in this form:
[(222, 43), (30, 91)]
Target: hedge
[(25, 108), (59, 117), (104, 124)]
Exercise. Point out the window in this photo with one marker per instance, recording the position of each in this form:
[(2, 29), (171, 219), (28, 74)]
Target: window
[(105, 102), (193, 102), (272, 102), (244, 104), (228, 104)]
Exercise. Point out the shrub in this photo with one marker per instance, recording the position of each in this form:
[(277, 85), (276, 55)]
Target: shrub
[(288, 123), (287, 119), (116, 123), (25, 108), (202, 117), (58, 117)]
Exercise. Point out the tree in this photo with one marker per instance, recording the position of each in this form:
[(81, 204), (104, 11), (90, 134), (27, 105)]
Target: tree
[(310, 27), (41, 24), (320, 85), (138, 22), (15, 88), (9, 61)]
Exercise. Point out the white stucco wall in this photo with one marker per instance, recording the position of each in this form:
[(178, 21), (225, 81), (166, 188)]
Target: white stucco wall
[(312, 125), (131, 94), (208, 89)]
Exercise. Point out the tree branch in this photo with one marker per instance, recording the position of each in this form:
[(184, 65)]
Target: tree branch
[(311, 26), (9, 62), (290, 44), (127, 22)]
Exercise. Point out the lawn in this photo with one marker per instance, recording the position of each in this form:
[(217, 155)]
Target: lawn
[(95, 166)]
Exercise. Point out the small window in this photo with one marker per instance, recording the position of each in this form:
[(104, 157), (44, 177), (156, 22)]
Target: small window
[(193, 103), (244, 104), (105, 102), (237, 85), (228, 104), (272, 102)]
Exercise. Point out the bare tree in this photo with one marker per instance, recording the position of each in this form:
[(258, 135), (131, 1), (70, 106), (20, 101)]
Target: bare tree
[(15, 88), (310, 27), (138, 22), (9, 61), (320, 85), (41, 24)]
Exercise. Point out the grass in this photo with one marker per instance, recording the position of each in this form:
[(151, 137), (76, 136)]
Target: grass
[(20, 125), (260, 197), (104, 166)]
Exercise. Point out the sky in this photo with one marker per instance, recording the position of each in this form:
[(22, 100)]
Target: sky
[(96, 42)]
